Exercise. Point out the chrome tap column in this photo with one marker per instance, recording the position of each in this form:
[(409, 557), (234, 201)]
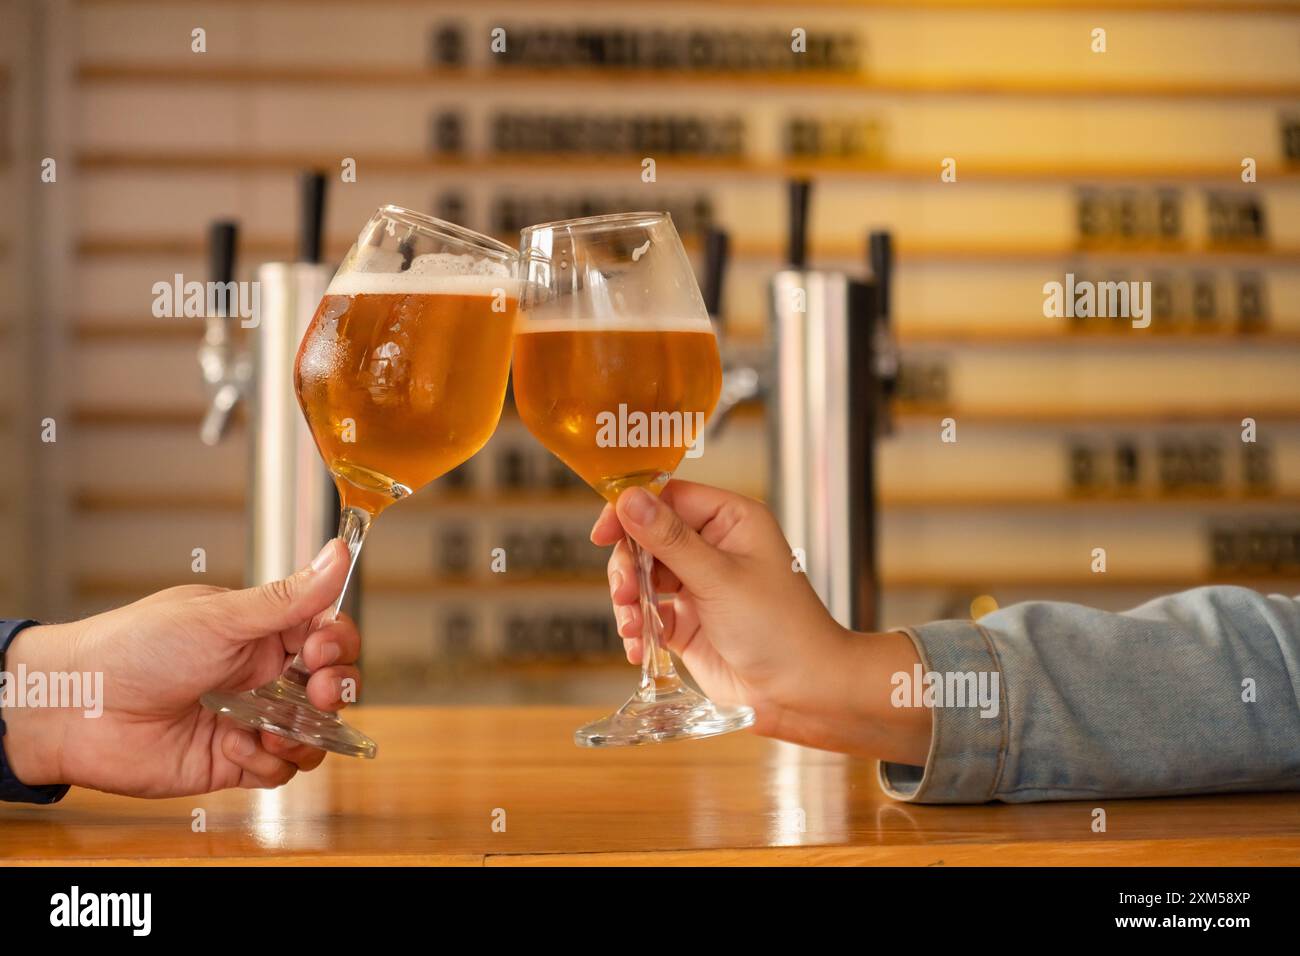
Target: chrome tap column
[(825, 402), (292, 504), (293, 510), (294, 507)]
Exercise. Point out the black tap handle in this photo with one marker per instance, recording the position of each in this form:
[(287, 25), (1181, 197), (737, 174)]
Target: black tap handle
[(797, 249), (223, 234), (312, 225), (716, 249), (880, 252)]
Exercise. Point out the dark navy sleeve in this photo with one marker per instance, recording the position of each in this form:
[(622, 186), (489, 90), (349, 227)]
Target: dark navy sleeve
[(13, 790)]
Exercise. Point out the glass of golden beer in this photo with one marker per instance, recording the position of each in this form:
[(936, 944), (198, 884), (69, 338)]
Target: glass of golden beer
[(616, 371), (401, 376)]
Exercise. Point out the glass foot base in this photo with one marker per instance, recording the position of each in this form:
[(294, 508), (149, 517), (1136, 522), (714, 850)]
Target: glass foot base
[(652, 717), (281, 707)]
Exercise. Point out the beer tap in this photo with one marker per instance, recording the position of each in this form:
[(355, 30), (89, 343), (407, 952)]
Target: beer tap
[(311, 234), (880, 259), (747, 382), (292, 505), (717, 246), (226, 368), (824, 401), (740, 383), (796, 240)]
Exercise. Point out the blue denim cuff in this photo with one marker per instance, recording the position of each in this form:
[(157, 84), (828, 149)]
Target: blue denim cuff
[(967, 750)]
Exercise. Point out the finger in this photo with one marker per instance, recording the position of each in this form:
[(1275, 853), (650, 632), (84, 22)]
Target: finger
[(333, 688), (294, 602), (623, 586), (681, 625), (303, 756), (250, 781), (336, 642), (631, 621), (259, 767), (665, 581), (661, 531), (606, 530), (621, 576), (708, 510), (627, 618), (633, 647)]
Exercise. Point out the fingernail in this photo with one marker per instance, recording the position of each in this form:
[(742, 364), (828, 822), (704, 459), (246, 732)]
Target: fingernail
[(624, 616), (243, 744), (615, 582), (329, 653), (325, 558), (640, 505)]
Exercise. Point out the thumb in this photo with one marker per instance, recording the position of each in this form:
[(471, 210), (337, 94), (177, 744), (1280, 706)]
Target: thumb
[(662, 532), (278, 605)]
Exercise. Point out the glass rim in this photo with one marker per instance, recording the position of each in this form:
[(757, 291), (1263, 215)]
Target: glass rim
[(420, 220), (599, 222)]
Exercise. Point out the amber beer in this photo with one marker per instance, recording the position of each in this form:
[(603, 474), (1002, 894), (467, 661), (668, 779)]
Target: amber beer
[(571, 383), (402, 378)]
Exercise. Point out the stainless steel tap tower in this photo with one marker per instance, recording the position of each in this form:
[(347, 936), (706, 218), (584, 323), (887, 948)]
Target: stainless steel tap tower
[(833, 365), (293, 506), (293, 510)]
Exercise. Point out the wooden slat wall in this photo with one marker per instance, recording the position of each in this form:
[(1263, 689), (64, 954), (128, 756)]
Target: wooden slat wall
[(15, 187), (158, 141)]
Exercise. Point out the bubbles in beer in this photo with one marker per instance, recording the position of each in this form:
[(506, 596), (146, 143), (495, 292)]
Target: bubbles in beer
[(417, 360)]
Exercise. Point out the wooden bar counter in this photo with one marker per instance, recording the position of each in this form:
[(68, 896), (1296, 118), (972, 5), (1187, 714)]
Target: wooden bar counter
[(444, 775)]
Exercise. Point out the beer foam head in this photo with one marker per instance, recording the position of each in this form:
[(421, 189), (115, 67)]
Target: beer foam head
[(541, 322), (376, 259), (374, 271)]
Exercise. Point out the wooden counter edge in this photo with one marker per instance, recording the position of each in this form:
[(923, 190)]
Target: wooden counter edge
[(1220, 851), (1244, 851), (352, 859)]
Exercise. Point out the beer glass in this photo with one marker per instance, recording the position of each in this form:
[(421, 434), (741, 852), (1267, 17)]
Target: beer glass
[(616, 370), (401, 376)]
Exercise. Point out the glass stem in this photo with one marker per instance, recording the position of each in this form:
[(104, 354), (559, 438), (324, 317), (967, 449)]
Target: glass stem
[(658, 675), (353, 525)]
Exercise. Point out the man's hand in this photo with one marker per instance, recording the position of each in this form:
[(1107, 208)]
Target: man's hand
[(158, 657)]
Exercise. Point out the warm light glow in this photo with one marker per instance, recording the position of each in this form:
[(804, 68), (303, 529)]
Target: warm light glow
[(809, 790), (984, 604), (267, 819)]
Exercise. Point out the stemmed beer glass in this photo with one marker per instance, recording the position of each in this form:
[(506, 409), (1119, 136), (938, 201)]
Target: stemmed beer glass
[(616, 370), (401, 376)]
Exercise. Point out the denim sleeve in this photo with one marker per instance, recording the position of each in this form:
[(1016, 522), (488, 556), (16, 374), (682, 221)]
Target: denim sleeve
[(1197, 692)]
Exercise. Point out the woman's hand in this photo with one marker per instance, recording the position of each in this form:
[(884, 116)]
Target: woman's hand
[(749, 627)]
